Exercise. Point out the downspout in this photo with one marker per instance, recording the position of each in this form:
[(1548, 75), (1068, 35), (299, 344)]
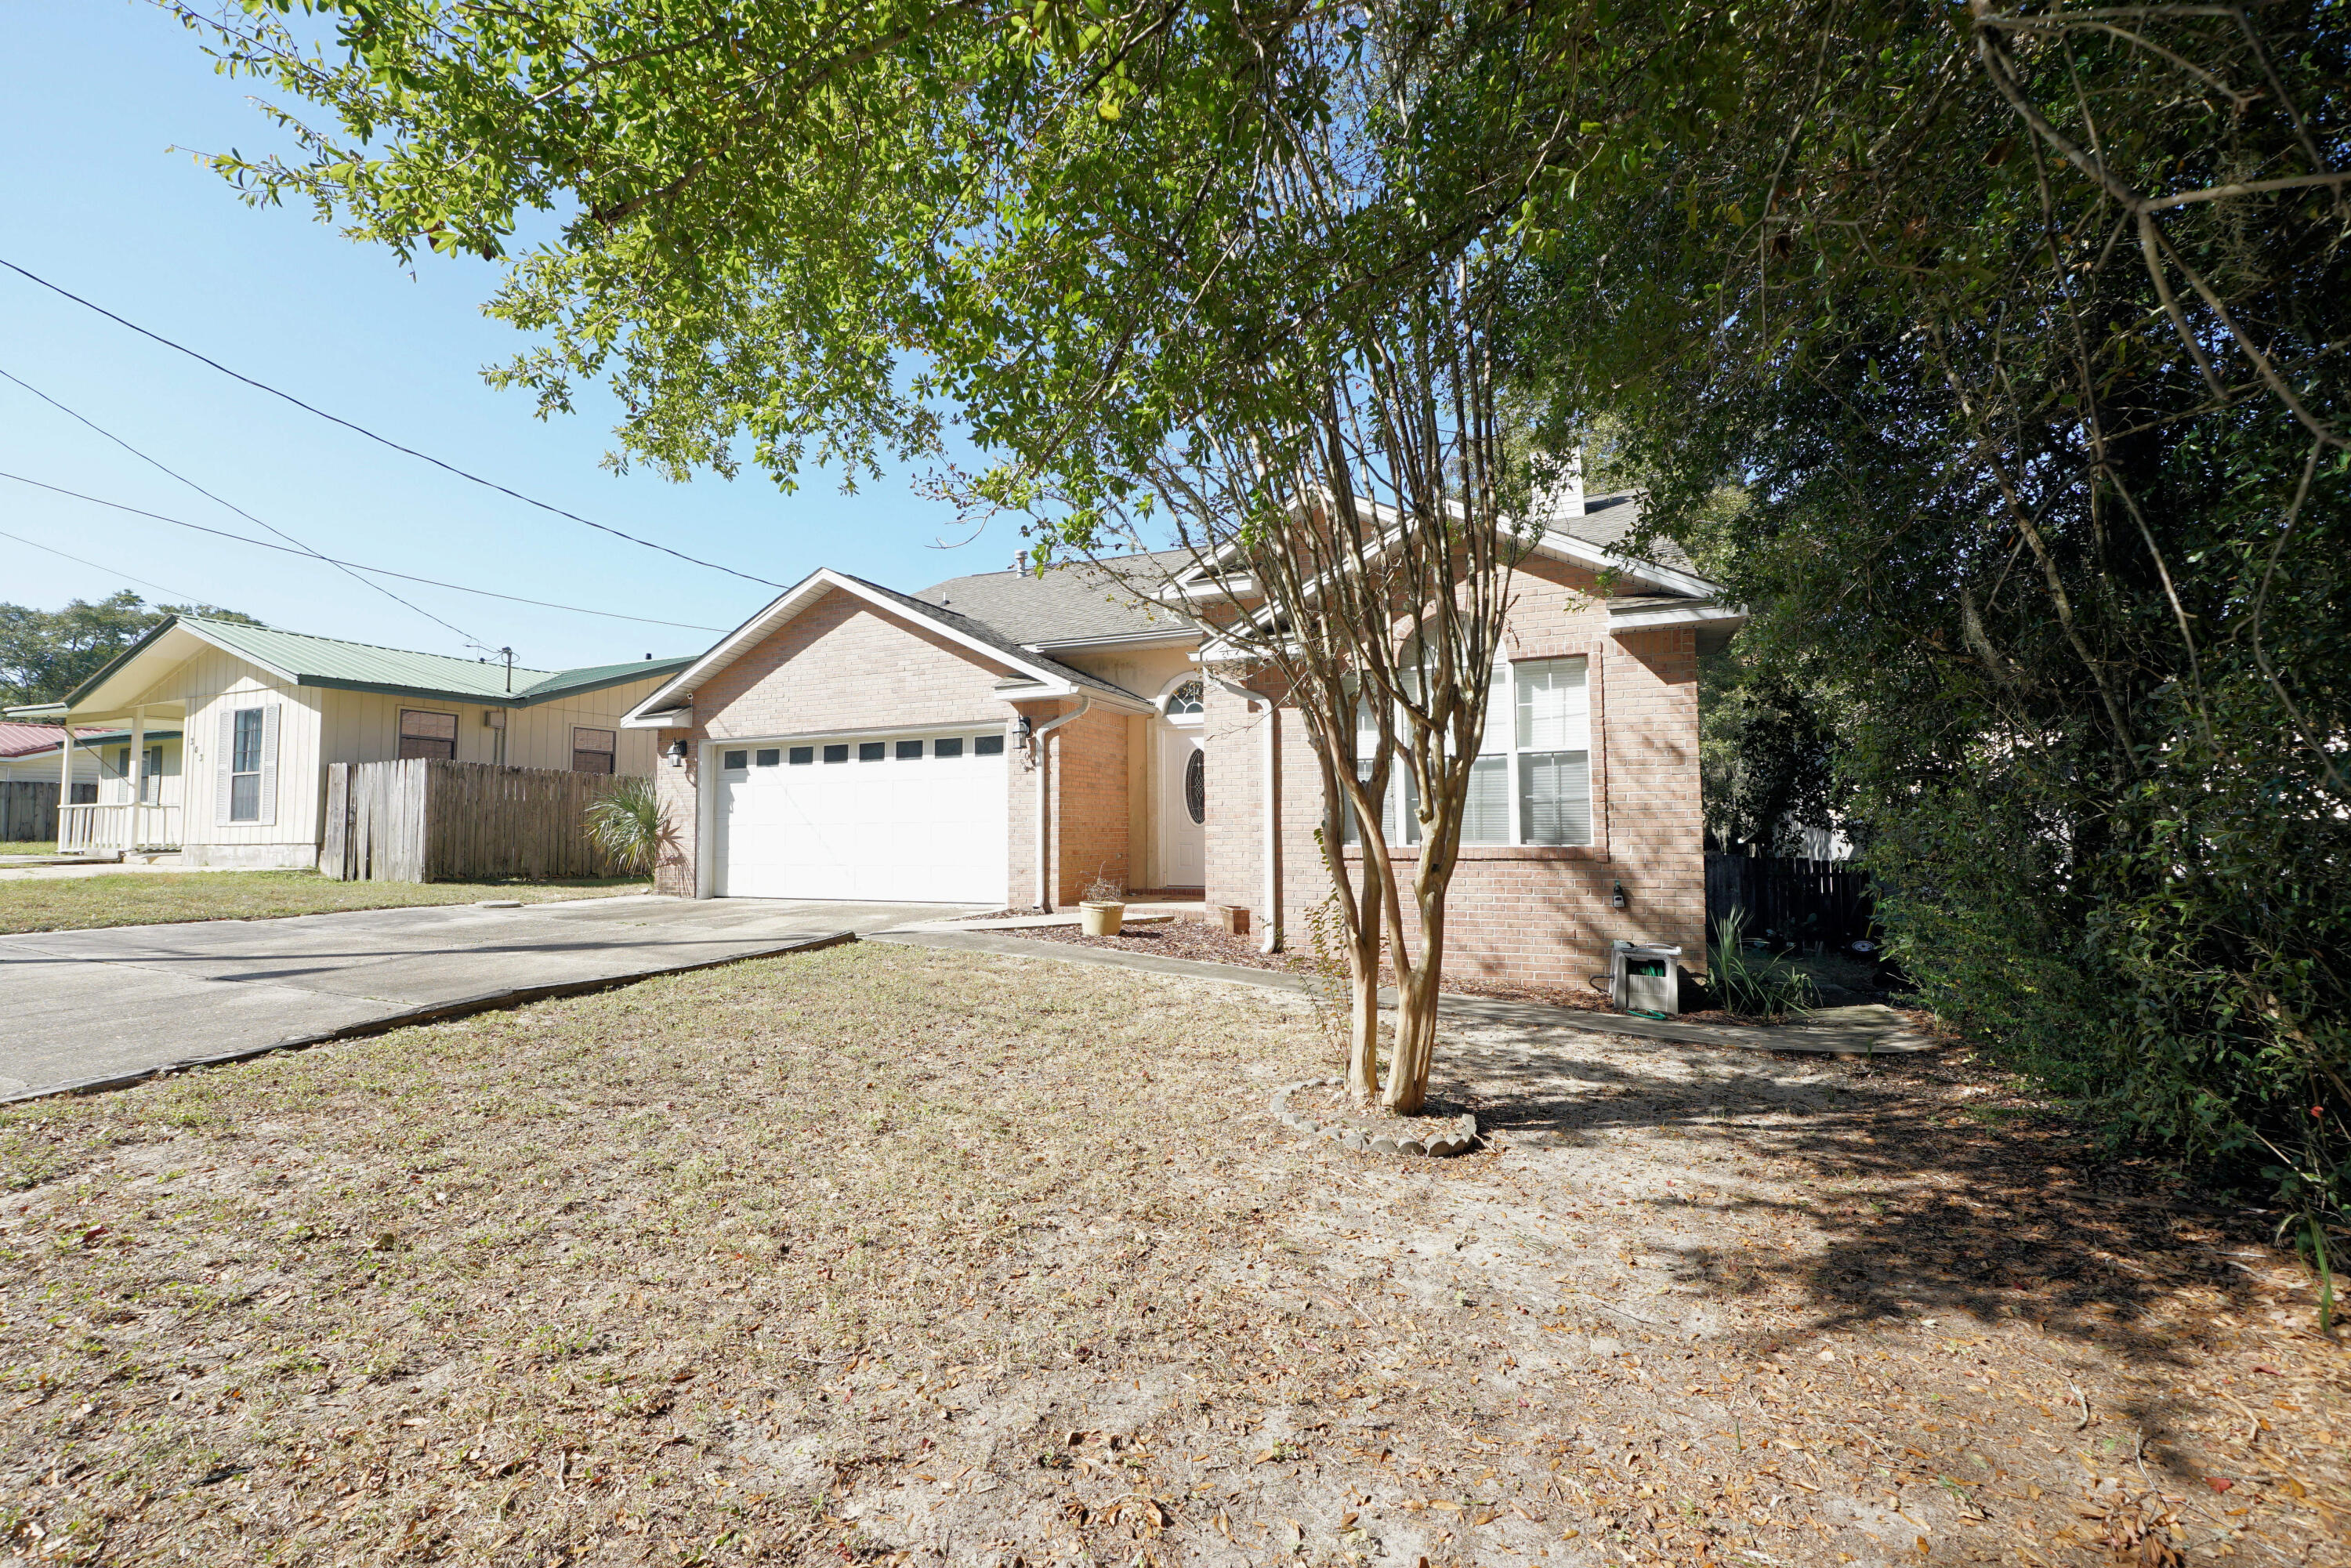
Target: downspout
[(1270, 933), (1036, 734)]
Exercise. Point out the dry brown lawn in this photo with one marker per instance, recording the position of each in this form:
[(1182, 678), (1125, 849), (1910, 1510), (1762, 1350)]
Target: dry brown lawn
[(884, 1254)]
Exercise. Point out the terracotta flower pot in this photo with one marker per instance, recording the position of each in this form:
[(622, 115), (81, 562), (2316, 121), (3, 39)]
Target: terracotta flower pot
[(1098, 918)]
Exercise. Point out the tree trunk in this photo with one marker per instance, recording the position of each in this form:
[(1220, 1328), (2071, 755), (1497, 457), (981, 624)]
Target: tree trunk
[(1364, 1030), (1417, 993)]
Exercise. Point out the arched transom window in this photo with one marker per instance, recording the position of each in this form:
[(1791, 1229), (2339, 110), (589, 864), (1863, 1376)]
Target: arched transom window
[(1183, 700)]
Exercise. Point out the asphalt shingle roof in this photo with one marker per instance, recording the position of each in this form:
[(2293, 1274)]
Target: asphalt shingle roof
[(994, 635), (1067, 604), (1609, 521)]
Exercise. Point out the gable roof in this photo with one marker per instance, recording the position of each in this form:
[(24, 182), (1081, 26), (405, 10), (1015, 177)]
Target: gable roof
[(1054, 678), (1080, 602), (331, 661), (1608, 520), (1592, 537)]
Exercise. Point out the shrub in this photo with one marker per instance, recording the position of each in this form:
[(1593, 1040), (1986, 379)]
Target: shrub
[(626, 823)]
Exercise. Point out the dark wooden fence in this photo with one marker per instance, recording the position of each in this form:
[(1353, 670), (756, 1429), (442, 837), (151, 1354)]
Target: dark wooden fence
[(423, 819), (1789, 900), (28, 810)]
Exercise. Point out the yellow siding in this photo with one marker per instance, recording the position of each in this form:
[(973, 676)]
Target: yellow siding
[(364, 726), (318, 725), (209, 683), (114, 782)]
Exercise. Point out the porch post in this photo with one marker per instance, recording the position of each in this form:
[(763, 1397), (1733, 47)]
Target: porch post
[(138, 772)]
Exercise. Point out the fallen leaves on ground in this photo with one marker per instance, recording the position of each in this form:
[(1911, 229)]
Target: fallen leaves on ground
[(897, 1255)]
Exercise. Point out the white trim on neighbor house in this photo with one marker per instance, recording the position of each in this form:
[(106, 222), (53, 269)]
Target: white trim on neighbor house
[(679, 688)]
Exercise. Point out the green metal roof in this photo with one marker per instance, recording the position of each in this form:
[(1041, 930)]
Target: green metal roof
[(360, 667)]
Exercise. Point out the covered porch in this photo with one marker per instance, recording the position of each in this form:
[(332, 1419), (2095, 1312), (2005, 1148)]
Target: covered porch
[(137, 806)]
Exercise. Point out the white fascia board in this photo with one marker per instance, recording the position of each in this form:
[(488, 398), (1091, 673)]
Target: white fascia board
[(791, 603), (1051, 646), (159, 658), (793, 600), (1567, 547), (678, 717), (1729, 617)]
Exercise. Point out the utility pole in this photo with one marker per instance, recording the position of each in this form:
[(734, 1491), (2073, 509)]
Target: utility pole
[(508, 654)]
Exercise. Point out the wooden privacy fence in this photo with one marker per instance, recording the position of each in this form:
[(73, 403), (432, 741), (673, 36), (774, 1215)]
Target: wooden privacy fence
[(423, 819), (28, 810), (1790, 900)]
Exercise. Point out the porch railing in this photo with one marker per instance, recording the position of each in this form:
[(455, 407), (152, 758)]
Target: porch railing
[(116, 828)]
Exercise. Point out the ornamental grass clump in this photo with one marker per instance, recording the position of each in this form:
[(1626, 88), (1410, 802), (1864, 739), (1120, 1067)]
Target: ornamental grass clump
[(1752, 988)]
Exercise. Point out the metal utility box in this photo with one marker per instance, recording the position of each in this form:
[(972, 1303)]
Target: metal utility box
[(1644, 978)]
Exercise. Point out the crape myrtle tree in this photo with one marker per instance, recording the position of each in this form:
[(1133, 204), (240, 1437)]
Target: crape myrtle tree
[(1242, 270), (2023, 330)]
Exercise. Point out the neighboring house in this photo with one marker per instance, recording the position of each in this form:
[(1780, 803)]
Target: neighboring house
[(225, 731), (29, 752), (1002, 739)]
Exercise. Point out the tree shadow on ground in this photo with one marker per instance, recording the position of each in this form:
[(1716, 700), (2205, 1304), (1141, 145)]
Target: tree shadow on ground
[(1934, 1192)]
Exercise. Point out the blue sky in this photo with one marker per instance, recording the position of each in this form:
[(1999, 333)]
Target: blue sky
[(93, 96)]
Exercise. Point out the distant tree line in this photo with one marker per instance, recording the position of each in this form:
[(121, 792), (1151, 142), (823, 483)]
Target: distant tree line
[(46, 654)]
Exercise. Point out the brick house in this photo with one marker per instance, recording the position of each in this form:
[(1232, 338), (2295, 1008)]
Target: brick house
[(1003, 739)]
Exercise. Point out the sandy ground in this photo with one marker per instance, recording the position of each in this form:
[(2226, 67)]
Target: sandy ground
[(895, 1256)]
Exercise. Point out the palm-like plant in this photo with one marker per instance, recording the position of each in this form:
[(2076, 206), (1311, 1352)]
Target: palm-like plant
[(626, 823)]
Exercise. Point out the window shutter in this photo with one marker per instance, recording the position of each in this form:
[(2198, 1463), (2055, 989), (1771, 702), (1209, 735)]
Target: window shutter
[(269, 765), (223, 759)]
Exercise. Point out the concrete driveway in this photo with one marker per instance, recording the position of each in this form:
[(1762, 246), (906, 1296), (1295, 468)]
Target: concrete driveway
[(85, 1009)]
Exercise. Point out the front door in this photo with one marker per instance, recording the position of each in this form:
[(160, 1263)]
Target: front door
[(1182, 808)]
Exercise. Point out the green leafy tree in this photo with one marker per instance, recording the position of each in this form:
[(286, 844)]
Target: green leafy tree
[(1173, 268), (46, 654), (2022, 332)]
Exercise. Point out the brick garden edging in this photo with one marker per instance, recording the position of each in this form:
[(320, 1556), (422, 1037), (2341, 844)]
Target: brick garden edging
[(1456, 1137)]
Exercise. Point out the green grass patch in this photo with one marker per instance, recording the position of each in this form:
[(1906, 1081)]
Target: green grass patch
[(153, 898)]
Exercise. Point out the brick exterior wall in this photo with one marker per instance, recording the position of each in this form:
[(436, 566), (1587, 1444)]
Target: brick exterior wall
[(1533, 913), (842, 666), (1539, 915)]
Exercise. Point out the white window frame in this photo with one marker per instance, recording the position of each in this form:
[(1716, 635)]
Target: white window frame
[(259, 769), (1501, 724)]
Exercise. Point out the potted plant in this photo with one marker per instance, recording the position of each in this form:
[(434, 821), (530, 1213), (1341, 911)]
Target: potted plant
[(1103, 909)]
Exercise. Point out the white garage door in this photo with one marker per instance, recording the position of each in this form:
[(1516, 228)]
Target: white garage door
[(916, 819)]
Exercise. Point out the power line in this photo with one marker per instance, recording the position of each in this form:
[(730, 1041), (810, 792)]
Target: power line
[(469, 639), (346, 565), (109, 571), (380, 440)]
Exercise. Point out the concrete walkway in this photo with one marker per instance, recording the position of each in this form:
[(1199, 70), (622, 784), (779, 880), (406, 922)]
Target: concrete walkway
[(1867, 1030), (88, 1010)]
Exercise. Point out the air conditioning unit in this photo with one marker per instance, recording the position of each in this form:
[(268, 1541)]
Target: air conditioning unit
[(1642, 978)]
